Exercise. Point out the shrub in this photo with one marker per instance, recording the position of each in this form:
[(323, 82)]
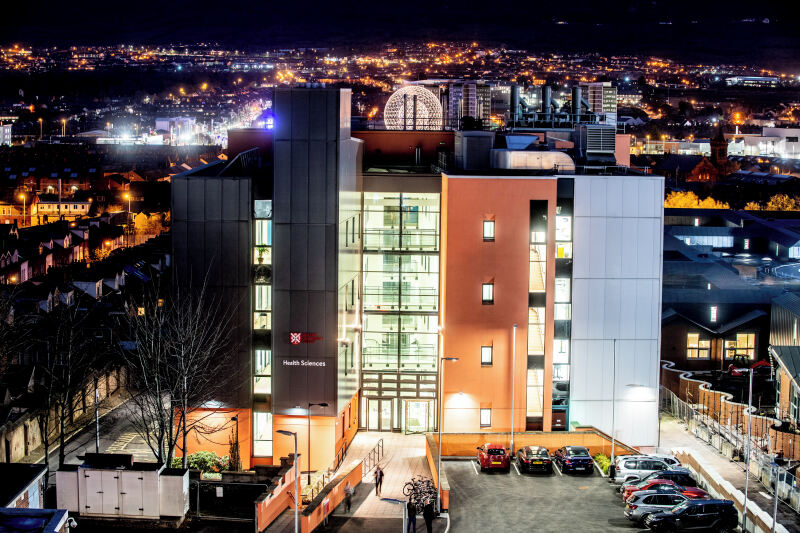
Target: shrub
[(204, 461), (603, 461)]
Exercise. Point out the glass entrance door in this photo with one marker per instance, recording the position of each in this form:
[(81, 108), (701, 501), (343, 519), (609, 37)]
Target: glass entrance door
[(417, 416), (379, 415)]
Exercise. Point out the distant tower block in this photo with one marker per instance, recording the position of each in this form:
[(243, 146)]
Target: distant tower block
[(413, 108)]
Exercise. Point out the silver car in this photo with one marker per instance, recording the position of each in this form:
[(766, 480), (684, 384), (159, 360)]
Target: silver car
[(645, 502), (635, 467)]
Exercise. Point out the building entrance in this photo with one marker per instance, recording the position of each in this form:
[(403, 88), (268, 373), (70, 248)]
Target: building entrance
[(418, 416), (379, 415)]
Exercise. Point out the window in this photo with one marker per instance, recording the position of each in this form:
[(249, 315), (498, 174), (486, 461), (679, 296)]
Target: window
[(262, 382), (794, 406), (747, 244), (488, 230), (713, 310), (262, 434), (562, 292), (486, 417), (697, 348), (487, 294), (794, 332), (486, 355), (744, 344), (563, 228)]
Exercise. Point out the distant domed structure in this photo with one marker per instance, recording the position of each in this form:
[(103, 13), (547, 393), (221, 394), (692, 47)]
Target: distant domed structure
[(413, 107)]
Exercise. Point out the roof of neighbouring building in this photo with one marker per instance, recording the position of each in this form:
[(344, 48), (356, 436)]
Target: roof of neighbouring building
[(16, 478), (789, 358)]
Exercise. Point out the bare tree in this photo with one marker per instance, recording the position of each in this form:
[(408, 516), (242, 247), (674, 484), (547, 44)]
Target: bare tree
[(178, 362), (73, 355)]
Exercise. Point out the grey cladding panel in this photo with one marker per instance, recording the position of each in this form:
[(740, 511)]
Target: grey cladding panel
[(281, 256), (332, 114), (317, 189), (283, 110), (300, 109), (317, 116), (299, 182), (317, 258), (299, 257), (283, 182), (213, 197), (196, 208), (316, 323), (332, 182), (179, 198)]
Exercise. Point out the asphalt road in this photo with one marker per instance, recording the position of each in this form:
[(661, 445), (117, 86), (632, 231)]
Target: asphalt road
[(116, 435), (496, 501)]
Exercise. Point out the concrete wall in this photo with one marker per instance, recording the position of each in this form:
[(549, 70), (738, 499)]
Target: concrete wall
[(616, 294)]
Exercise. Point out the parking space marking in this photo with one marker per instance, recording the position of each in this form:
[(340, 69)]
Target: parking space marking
[(517, 469), (557, 469), (475, 468)]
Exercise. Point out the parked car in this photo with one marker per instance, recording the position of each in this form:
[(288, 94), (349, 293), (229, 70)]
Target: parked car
[(680, 476), (494, 457), (671, 460), (665, 484), (574, 459), (645, 502), (534, 459), (691, 515), (637, 467)]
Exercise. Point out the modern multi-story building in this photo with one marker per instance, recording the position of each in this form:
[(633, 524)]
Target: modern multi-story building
[(602, 98), (350, 286), (5, 134)]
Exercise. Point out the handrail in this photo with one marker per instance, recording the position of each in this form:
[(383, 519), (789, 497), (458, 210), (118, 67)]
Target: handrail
[(372, 459)]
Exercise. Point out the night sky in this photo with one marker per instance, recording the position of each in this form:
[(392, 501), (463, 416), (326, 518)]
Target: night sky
[(703, 30)]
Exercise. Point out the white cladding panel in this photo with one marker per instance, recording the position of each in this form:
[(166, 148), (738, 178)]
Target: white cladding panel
[(617, 259)]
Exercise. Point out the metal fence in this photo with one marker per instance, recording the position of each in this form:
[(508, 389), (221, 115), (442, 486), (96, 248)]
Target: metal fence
[(731, 442)]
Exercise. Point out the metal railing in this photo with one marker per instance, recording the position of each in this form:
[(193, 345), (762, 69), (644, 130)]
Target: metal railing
[(372, 459), (731, 442), (323, 477)]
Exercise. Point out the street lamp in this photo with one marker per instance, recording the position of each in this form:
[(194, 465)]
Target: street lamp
[(308, 411), (296, 479), (127, 196), (442, 360), (513, 375), (63, 127), (23, 198), (40, 129)]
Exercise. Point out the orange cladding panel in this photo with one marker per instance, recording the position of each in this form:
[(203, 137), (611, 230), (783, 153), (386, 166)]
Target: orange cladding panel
[(467, 263)]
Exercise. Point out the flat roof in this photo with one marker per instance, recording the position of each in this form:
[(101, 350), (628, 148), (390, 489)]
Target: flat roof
[(16, 479)]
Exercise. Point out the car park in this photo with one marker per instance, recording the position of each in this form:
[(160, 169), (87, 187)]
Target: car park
[(632, 468), (646, 502), (692, 515), (663, 484), (494, 457), (680, 476), (574, 459), (534, 459)]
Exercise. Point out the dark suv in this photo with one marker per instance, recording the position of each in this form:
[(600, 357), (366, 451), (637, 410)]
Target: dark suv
[(693, 515)]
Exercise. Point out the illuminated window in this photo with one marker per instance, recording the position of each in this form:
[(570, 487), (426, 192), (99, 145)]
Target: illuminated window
[(262, 368), (713, 310), (563, 228), (486, 355), (562, 292), (486, 417), (262, 434), (488, 293), (743, 345), (697, 348), (747, 244), (488, 230)]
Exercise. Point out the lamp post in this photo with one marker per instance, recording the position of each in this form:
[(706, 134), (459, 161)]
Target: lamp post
[(513, 375), (442, 361), (296, 479), (63, 127), (310, 405), (128, 220), (23, 198)]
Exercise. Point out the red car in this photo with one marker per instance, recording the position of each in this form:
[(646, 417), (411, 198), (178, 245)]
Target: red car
[(494, 457), (663, 484)]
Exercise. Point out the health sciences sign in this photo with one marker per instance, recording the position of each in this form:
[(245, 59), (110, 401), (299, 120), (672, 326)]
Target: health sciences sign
[(301, 362)]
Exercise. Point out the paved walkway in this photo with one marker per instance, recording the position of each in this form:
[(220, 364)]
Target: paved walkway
[(404, 457), (674, 434)]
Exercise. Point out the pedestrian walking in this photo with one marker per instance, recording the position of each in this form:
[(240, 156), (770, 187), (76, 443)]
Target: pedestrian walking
[(412, 517), (428, 514), (348, 496), (378, 480)]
